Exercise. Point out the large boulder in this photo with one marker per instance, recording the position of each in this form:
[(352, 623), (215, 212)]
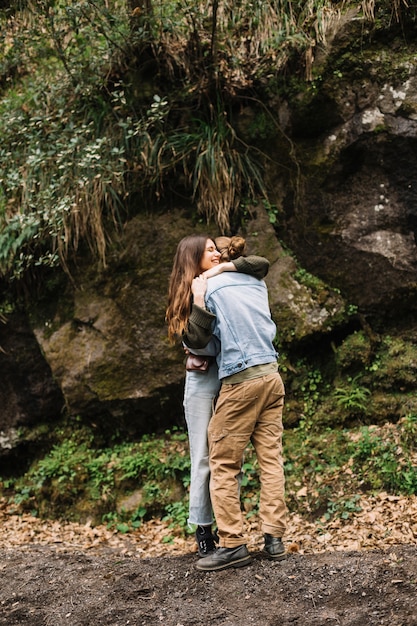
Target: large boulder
[(106, 343), (355, 224), (301, 305)]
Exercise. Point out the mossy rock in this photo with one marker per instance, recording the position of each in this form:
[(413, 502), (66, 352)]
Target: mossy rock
[(355, 351)]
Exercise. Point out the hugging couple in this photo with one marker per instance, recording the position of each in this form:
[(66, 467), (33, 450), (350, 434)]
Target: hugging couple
[(218, 307)]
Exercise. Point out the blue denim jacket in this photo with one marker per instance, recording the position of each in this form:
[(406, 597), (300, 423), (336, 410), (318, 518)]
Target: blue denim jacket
[(243, 322)]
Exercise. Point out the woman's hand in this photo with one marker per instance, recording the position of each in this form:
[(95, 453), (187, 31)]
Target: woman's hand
[(198, 289)]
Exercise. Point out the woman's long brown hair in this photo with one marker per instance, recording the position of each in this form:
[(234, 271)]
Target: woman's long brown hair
[(186, 267)]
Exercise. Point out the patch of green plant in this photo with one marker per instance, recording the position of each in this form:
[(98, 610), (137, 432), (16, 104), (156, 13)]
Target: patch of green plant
[(272, 211), (249, 481), (355, 351), (177, 514), (386, 463), (6, 308), (394, 364), (56, 121), (311, 390), (321, 467), (208, 154), (408, 426), (261, 126), (76, 471), (353, 397), (307, 279), (312, 463), (343, 507)]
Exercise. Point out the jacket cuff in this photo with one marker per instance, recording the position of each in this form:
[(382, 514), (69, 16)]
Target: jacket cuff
[(201, 317), (245, 267), (256, 266)]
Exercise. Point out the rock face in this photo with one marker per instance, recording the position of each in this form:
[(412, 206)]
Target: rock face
[(356, 224), (300, 308)]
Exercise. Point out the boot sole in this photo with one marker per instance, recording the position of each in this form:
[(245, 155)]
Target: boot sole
[(275, 557), (238, 563)]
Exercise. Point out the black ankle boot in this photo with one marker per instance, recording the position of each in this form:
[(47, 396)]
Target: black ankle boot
[(205, 541), (274, 547)]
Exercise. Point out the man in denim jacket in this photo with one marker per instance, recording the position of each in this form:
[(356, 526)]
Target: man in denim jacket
[(234, 308)]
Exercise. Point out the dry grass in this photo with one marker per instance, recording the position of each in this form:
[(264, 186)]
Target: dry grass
[(248, 36)]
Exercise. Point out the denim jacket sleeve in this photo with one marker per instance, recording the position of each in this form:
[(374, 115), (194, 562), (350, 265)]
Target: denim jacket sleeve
[(199, 330)]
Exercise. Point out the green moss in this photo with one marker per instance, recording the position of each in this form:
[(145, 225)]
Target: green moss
[(394, 366), (354, 352)]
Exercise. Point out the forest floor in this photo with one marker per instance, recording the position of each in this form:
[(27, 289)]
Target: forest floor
[(356, 572)]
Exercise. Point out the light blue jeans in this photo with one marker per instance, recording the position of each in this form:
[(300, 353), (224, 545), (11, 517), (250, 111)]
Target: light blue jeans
[(200, 392)]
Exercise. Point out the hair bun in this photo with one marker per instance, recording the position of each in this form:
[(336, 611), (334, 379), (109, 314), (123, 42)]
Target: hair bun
[(230, 247), (236, 247)]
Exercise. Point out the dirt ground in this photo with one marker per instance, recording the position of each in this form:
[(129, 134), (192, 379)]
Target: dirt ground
[(40, 586), (56, 574)]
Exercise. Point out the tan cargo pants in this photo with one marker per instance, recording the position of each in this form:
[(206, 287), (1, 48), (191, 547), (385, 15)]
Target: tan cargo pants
[(247, 411)]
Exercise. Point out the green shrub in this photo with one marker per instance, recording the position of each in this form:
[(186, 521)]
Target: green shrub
[(75, 472)]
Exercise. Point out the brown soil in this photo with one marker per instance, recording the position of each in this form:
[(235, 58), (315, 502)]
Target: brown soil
[(359, 573)]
